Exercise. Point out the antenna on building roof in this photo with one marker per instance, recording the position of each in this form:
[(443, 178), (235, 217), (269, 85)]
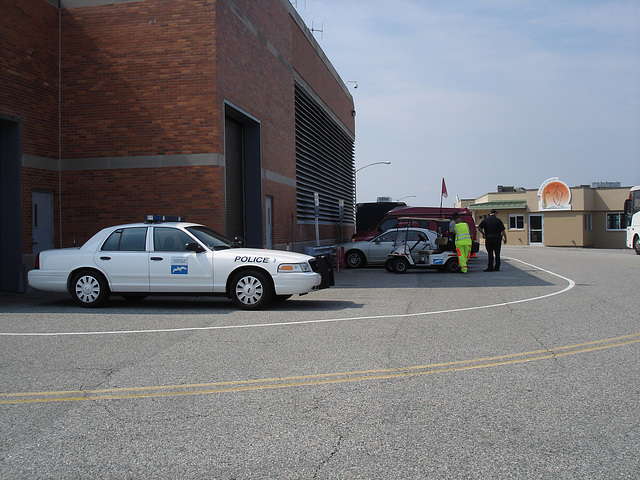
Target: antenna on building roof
[(295, 3), (321, 30)]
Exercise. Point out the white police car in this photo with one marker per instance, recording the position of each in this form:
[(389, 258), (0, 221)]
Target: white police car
[(166, 255)]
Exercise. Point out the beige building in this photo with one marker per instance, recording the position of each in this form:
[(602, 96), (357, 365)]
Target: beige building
[(556, 215)]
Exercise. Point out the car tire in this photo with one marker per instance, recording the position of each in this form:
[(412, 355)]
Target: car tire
[(89, 289), (636, 245), (388, 265), (251, 289), (354, 259), (399, 265), (452, 265)]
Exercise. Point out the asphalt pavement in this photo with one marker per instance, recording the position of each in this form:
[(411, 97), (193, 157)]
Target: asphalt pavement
[(530, 373)]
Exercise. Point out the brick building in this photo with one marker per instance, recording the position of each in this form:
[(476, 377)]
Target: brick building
[(226, 111)]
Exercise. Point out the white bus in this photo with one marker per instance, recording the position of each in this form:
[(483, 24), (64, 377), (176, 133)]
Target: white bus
[(632, 211)]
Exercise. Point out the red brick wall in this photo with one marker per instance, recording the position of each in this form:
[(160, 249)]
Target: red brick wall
[(259, 84), (262, 86), (29, 90), (151, 78), (139, 79), (29, 72), (126, 196), (271, 18)]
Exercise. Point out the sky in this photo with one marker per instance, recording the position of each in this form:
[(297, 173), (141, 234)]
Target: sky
[(486, 92)]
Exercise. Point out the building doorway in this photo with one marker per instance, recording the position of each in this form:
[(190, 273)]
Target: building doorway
[(234, 178), (536, 229), (11, 266), (243, 177), (42, 223), (268, 221)]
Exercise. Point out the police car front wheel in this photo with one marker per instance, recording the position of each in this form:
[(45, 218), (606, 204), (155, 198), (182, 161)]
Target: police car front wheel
[(251, 290)]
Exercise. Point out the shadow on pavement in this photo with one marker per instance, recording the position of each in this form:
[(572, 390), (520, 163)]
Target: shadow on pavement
[(512, 274)]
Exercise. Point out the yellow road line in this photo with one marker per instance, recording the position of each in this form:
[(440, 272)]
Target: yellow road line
[(310, 380)]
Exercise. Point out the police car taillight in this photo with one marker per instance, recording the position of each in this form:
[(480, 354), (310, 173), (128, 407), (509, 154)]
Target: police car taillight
[(36, 265), (162, 218)]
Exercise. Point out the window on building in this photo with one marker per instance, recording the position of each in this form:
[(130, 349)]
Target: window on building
[(615, 221), (588, 222), (516, 222)]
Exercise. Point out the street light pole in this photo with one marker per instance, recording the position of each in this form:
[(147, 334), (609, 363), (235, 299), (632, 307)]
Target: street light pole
[(355, 187), (374, 163)]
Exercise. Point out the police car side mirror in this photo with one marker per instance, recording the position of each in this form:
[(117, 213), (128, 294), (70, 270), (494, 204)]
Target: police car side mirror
[(193, 247), (238, 242)]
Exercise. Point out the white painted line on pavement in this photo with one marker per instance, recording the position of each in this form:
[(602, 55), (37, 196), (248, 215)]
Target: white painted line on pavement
[(570, 285)]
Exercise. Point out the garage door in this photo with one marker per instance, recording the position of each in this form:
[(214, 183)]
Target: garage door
[(234, 178)]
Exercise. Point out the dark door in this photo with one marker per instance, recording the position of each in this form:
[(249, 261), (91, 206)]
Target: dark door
[(536, 230), (234, 178), (11, 267), (42, 221)]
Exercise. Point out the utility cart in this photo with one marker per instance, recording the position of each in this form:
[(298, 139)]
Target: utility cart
[(424, 248)]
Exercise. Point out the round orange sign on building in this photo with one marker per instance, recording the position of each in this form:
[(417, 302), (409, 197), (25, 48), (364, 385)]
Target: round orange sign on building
[(554, 195)]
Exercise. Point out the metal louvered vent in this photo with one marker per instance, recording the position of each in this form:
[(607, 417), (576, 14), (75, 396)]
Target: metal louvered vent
[(324, 163)]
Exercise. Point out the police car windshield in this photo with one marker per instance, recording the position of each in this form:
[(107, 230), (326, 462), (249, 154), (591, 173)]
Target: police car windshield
[(210, 238)]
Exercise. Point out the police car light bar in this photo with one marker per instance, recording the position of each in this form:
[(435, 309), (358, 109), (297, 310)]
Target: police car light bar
[(162, 218)]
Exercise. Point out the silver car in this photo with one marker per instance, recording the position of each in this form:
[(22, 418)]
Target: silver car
[(376, 251)]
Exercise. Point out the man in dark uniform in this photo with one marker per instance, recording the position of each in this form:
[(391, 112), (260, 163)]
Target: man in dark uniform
[(493, 231)]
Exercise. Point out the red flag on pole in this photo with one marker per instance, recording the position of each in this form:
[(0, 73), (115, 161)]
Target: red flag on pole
[(444, 189)]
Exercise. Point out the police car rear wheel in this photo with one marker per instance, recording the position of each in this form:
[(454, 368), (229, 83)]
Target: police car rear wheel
[(251, 290), (636, 245), (89, 289)]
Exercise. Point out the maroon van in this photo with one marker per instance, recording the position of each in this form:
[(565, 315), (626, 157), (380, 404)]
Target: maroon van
[(391, 221)]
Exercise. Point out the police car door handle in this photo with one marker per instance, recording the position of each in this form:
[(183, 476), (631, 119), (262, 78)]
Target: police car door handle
[(105, 258), (156, 259)]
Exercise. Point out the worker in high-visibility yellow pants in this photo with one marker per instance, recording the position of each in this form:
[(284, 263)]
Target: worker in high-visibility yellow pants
[(463, 241)]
